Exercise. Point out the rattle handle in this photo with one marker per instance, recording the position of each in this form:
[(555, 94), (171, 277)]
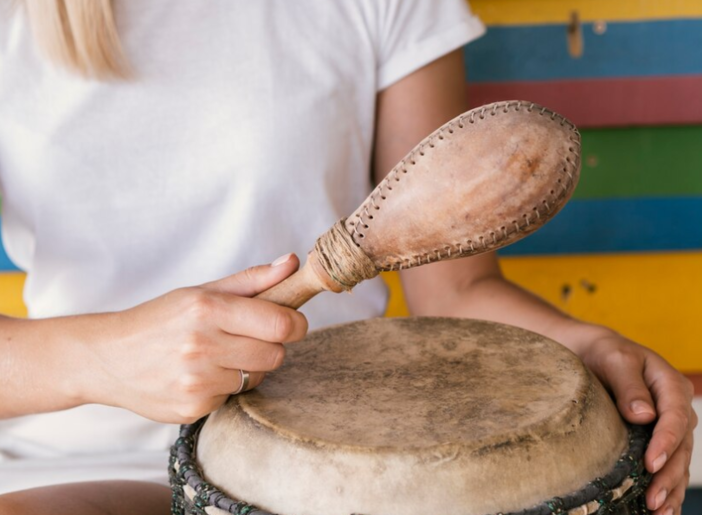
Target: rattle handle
[(300, 287)]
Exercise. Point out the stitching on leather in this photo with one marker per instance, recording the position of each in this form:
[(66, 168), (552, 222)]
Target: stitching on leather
[(385, 188)]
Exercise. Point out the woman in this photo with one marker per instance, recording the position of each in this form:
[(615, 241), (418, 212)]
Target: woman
[(148, 151)]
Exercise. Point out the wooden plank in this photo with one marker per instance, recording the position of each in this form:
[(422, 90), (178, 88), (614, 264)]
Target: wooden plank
[(641, 162), (5, 263), (619, 102), (651, 298), (618, 225), (621, 166), (531, 53), (397, 307), (519, 12), (11, 284)]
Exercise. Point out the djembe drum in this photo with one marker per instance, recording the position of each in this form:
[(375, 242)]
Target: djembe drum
[(415, 416)]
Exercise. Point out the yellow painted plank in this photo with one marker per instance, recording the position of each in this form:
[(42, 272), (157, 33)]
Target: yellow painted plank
[(396, 304), (530, 12), (11, 284), (654, 299)]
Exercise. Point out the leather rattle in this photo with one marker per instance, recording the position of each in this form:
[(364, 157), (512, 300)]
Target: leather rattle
[(478, 183)]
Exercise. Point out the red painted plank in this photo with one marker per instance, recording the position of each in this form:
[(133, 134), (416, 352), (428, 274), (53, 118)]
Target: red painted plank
[(606, 102)]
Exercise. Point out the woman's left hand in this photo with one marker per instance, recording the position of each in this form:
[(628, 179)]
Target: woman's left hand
[(645, 386)]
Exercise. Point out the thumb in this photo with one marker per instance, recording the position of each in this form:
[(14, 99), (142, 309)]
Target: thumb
[(257, 279)]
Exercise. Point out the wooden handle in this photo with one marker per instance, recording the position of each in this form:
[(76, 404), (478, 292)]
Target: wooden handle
[(300, 287)]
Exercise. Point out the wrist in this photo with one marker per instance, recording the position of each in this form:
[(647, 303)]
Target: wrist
[(92, 341), (579, 336), (75, 373), (65, 367), (39, 367)]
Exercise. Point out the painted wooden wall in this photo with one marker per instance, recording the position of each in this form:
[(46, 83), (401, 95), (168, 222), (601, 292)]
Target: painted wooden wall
[(627, 250)]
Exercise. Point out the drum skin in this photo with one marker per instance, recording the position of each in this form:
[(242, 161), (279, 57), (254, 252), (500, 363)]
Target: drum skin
[(406, 416)]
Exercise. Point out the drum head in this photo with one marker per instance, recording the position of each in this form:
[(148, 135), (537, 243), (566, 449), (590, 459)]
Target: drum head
[(402, 416)]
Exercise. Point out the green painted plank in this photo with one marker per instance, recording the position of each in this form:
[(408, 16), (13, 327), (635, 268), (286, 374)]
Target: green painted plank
[(641, 162)]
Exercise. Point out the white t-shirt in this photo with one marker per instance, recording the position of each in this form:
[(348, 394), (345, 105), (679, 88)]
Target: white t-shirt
[(246, 134)]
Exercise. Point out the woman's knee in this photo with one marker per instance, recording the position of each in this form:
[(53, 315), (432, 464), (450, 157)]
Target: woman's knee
[(10, 506), (92, 498)]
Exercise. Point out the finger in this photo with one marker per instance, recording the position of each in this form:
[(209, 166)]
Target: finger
[(673, 505), (241, 352), (255, 379), (229, 381), (257, 279), (673, 396), (203, 393), (673, 474), (624, 374), (258, 319)]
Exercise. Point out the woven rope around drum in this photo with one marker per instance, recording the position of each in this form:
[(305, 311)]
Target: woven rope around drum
[(608, 494)]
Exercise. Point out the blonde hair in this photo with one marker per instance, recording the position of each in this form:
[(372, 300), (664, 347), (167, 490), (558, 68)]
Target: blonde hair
[(79, 35)]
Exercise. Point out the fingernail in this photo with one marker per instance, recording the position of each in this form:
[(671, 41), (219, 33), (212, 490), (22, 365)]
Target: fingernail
[(282, 259), (659, 462), (641, 408), (660, 499), (669, 511)]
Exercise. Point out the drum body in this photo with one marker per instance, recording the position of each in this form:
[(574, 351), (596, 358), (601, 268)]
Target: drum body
[(416, 415)]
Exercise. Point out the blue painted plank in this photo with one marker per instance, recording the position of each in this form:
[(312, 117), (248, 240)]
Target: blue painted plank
[(613, 225), (539, 52), (618, 225), (5, 263)]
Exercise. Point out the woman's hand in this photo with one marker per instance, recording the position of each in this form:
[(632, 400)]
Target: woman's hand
[(645, 386), (177, 358)]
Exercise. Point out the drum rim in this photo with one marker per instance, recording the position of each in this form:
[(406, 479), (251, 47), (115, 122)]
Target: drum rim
[(624, 484)]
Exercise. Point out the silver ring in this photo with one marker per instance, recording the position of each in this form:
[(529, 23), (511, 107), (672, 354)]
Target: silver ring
[(244, 382)]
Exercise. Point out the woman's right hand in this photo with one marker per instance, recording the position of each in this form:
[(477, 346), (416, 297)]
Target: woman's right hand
[(177, 358)]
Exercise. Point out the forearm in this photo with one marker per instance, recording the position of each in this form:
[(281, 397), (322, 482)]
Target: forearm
[(42, 364), (494, 298)]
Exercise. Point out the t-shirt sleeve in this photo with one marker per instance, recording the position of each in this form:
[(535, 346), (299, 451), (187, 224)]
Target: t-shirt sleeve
[(413, 33)]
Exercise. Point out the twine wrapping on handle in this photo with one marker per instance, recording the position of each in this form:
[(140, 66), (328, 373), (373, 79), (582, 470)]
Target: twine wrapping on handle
[(342, 258)]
